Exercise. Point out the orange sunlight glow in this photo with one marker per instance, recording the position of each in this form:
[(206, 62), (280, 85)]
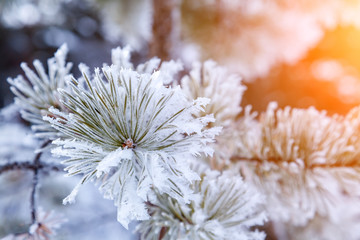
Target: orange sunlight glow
[(328, 77)]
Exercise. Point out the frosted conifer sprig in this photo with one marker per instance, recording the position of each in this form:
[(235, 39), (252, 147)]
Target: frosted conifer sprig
[(134, 135), (225, 208), (121, 58), (215, 82), (302, 160), (40, 92), (225, 90)]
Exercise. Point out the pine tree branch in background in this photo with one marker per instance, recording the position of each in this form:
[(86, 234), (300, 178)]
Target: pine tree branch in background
[(162, 28)]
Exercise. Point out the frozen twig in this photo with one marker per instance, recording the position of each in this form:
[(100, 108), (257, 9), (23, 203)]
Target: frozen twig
[(27, 165), (35, 181)]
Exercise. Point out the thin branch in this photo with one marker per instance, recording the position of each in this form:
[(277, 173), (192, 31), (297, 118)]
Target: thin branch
[(35, 182), (47, 167)]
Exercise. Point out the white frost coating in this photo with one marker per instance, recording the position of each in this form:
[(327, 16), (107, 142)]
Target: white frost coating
[(224, 208), (345, 224), (133, 134), (121, 57), (210, 81), (112, 160), (304, 160), (36, 97), (33, 228), (201, 102), (83, 68), (71, 197), (121, 188), (169, 70), (149, 66)]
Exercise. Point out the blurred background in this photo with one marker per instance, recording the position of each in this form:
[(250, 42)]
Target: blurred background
[(299, 53)]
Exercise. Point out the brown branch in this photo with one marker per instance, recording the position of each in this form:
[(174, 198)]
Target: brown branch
[(35, 181), (162, 29)]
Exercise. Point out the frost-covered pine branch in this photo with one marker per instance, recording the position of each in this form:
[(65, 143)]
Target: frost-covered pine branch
[(39, 92), (225, 208), (133, 134), (302, 160), (137, 131), (225, 91)]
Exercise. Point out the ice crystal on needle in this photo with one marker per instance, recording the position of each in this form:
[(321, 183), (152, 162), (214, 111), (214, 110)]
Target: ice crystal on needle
[(134, 135)]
